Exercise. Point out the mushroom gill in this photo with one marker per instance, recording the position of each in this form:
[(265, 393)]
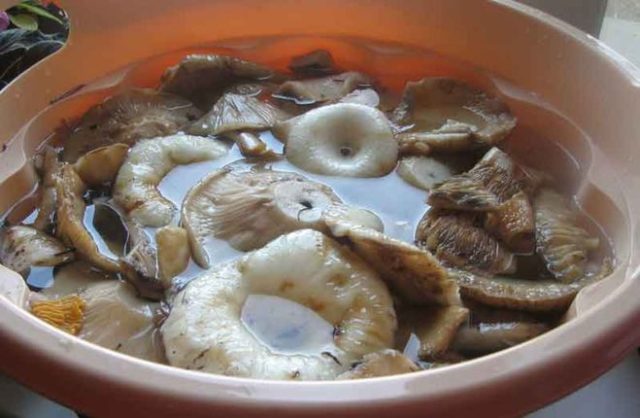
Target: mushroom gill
[(342, 139), (237, 112), (493, 180), (248, 209), (115, 318), (136, 186), (322, 90), (563, 244), (450, 116), (458, 241), (23, 247), (126, 118), (204, 78)]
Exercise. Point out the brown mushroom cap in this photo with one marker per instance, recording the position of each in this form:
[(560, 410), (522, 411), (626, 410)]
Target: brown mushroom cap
[(204, 78), (413, 273), (526, 295), (128, 117), (451, 116)]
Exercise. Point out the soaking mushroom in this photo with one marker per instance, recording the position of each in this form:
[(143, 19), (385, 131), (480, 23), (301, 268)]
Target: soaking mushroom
[(456, 240), (116, 319), (71, 207), (205, 331), (436, 327), (426, 172), (562, 243), (382, 363), (100, 166), (485, 338), (237, 112), (448, 115), (527, 295), (204, 78), (322, 90), (412, 272), (136, 186), (247, 209), (493, 180), (128, 117), (49, 170), (23, 247), (316, 62), (343, 139)]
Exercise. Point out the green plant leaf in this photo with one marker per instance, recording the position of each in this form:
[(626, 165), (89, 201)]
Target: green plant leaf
[(24, 21), (36, 10)]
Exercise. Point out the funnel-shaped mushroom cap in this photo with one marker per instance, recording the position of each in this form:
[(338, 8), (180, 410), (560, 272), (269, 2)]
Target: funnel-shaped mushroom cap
[(205, 330), (343, 139)]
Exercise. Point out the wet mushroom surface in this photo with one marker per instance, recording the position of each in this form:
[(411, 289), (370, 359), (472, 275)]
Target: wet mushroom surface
[(288, 223)]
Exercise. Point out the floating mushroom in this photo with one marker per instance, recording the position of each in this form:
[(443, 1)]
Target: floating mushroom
[(382, 363), (527, 295), (204, 330), (367, 97), (426, 172), (435, 327), (563, 244), (250, 144), (204, 78), (172, 245), (412, 272), (493, 180), (322, 90), (248, 209), (450, 116), (66, 313), (316, 62), (136, 187), (456, 240), (485, 338), (513, 223), (140, 265), (115, 318), (70, 215), (47, 206), (100, 166), (23, 247), (342, 140), (237, 112), (128, 117)]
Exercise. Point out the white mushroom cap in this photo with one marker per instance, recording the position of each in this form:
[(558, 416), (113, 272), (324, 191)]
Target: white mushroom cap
[(343, 139), (135, 188), (204, 330)]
